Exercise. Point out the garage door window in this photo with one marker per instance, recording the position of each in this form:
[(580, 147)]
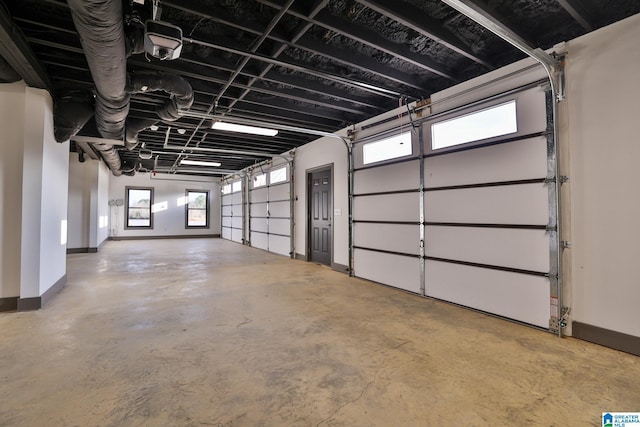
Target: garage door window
[(278, 175), (259, 180), (387, 149), (488, 123)]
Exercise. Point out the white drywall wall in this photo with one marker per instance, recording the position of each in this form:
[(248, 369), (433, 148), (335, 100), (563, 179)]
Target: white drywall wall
[(88, 218), (53, 214), (44, 186), (79, 205), (169, 193), (323, 152), (102, 202), (603, 92), (12, 101)]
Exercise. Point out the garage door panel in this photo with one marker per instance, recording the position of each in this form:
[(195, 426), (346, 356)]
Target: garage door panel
[(226, 210), (259, 224), (259, 240), (513, 248), (259, 209), (236, 222), (401, 176), (513, 204), (226, 233), (236, 235), (237, 198), (280, 226), (226, 221), (279, 245), (514, 161), (279, 192), (259, 195), (280, 209), (391, 237), (517, 296), (393, 270), (388, 207)]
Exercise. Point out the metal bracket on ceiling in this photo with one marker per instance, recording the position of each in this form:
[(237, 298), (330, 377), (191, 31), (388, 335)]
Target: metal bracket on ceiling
[(553, 66)]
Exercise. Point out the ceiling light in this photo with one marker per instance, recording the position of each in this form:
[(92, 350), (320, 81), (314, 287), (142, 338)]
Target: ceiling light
[(154, 127), (244, 129), (182, 131), (199, 163)]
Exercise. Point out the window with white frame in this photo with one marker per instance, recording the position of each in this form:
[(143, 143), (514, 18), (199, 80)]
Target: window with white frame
[(236, 186), (278, 175), (387, 149), (226, 189), (490, 122)]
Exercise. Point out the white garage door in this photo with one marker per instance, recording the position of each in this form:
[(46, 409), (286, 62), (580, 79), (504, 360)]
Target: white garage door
[(479, 230), (232, 211), (270, 209)]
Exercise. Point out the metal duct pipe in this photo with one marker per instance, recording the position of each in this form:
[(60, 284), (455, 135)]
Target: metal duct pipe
[(101, 29)]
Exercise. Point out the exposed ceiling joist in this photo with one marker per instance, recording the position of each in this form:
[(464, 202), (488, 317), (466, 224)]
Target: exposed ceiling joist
[(18, 54), (314, 64), (574, 9), (411, 17), (370, 38)]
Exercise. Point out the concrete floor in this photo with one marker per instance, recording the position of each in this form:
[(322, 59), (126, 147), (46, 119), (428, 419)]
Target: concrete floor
[(208, 332)]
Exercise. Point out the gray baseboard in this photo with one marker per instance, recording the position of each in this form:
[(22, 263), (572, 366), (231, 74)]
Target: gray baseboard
[(340, 268), (334, 266), (181, 236), (8, 304), (36, 303), (82, 250), (606, 337)]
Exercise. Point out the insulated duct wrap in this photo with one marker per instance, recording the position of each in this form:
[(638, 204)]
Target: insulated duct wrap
[(134, 127), (180, 91), (100, 26), (111, 157), (181, 98)]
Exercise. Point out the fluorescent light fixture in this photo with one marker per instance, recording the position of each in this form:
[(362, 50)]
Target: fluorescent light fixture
[(154, 127), (182, 131), (254, 130), (199, 163)]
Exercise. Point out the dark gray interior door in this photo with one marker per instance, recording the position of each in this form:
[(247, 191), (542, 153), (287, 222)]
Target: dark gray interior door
[(321, 210)]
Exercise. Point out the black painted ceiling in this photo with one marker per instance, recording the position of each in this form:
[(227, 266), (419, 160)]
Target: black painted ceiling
[(319, 64)]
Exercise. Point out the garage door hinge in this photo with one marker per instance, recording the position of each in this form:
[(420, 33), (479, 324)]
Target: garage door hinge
[(566, 244), (563, 179)]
